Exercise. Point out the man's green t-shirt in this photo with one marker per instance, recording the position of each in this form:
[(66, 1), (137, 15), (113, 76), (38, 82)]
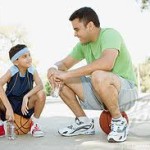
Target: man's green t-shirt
[(108, 39)]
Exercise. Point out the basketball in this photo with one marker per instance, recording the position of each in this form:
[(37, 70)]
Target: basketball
[(105, 120), (22, 125)]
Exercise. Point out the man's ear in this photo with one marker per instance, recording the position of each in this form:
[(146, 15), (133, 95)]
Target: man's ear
[(90, 25)]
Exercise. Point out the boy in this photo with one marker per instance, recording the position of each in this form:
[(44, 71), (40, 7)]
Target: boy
[(20, 96)]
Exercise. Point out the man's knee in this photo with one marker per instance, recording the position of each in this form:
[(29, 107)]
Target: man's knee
[(103, 79), (99, 78), (63, 90)]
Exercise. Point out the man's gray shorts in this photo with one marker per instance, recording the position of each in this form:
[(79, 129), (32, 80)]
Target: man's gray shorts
[(127, 95)]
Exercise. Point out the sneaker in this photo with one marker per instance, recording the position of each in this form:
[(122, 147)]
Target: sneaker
[(78, 128), (36, 131), (119, 131), (2, 130)]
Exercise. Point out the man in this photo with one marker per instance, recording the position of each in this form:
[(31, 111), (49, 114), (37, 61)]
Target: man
[(106, 82)]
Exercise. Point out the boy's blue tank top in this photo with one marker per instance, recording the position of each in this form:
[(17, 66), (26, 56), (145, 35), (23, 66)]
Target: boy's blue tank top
[(18, 86)]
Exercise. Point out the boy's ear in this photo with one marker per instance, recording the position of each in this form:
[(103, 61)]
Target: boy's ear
[(15, 62)]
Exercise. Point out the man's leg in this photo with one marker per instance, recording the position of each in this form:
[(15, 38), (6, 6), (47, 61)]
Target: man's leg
[(108, 86), (68, 93)]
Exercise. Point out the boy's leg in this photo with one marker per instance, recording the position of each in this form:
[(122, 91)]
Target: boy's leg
[(37, 102)]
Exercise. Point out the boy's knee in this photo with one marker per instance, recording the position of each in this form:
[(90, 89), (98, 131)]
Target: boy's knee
[(41, 95)]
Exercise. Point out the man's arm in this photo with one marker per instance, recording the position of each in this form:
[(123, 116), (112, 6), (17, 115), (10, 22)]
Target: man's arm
[(66, 63), (62, 65), (106, 63)]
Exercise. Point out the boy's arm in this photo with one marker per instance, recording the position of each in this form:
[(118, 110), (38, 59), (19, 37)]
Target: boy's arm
[(38, 85), (3, 80)]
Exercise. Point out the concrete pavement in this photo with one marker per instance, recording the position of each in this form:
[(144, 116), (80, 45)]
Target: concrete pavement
[(57, 115)]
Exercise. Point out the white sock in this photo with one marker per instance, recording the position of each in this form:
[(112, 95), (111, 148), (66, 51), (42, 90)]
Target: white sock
[(1, 122), (84, 119), (117, 119), (35, 120)]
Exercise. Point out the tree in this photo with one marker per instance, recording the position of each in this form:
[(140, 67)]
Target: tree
[(10, 36), (144, 69), (144, 4)]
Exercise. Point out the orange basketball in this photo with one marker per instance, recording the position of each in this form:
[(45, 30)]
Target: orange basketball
[(105, 120), (22, 125)]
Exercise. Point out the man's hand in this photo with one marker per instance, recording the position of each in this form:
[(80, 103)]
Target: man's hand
[(60, 76), (50, 73)]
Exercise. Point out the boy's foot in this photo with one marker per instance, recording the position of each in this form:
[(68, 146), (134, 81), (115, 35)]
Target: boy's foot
[(119, 131), (36, 131), (78, 128), (2, 130)]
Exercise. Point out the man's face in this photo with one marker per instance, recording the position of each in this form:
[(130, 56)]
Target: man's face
[(81, 31)]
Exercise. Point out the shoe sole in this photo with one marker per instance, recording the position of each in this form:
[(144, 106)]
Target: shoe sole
[(38, 136), (113, 141), (75, 134)]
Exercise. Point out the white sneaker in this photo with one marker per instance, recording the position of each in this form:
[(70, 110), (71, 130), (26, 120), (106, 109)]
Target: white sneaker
[(36, 131), (78, 128), (119, 131)]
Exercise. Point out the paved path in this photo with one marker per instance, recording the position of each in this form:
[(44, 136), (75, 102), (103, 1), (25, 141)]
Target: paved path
[(56, 115)]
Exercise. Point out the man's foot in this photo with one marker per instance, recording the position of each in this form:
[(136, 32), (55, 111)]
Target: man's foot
[(119, 131), (2, 130), (78, 128), (36, 131)]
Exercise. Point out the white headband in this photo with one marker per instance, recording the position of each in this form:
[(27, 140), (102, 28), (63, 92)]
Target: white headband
[(20, 53)]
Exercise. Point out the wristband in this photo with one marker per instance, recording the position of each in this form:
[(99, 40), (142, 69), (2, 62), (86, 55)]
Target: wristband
[(54, 66)]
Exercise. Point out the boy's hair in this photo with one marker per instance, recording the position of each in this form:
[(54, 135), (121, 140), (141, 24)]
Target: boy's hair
[(86, 14), (16, 49)]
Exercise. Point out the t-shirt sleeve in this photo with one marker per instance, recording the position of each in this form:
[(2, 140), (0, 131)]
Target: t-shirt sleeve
[(111, 39), (31, 70), (13, 70), (77, 52)]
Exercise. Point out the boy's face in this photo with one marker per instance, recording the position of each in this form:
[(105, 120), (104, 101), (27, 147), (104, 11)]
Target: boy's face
[(24, 61)]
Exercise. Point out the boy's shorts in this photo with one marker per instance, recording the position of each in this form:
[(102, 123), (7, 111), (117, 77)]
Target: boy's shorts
[(127, 95), (16, 105)]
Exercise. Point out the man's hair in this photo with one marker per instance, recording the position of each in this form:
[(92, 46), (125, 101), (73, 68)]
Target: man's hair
[(16, 49), (86, 14)]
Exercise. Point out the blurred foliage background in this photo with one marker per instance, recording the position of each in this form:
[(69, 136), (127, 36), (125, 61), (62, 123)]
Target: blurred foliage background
[(12, 35)]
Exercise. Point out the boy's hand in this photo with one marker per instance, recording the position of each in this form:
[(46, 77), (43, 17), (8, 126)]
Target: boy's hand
[(24, 108), (9, 114)]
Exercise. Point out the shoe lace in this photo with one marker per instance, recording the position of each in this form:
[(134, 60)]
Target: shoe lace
[(2, 129), (117, 126), (77, 123), (36, 128)]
